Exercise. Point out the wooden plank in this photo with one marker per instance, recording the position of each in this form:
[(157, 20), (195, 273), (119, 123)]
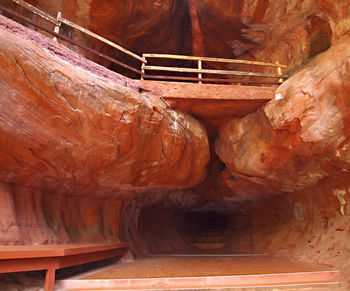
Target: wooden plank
[(36, 11), (68, 261), (40, 251), (82, 254), (211, 80), (214, 72), (50, 279), (27, 264), (94, 35), (209, 59), (82, 249)]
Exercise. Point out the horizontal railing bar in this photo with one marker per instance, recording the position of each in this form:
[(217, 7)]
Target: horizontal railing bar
[(209, 59), (73, 25), (36, 11), (92, 34), (157, 77), (215, 72), (68, 39)]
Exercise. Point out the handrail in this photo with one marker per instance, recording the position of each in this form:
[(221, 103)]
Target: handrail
[(209, 71), (200, 71), (212, 80), (25, 19), (59, 20), (36, 11), (94, 35), (216, 60)]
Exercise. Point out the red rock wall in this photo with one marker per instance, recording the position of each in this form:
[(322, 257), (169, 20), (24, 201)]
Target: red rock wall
[(31, 216), (300, 145), (65, 129), (292, 143), (9, 229), (76, 139), (285, 31), (311, 225), (74, 135), (149, 225)]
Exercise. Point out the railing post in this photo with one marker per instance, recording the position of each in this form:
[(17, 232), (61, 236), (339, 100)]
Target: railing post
[(279, 72), (57, 27), (200, 68), (143, 67)]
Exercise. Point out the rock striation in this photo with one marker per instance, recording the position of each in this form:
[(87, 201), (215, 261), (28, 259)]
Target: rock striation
[(64, 128), (76, 139), (292, 143), (87, 155)]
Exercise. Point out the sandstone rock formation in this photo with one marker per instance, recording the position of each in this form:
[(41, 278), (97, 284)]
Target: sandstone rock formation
[(293, 143), (84, 151), (64, 128), (76, 139)]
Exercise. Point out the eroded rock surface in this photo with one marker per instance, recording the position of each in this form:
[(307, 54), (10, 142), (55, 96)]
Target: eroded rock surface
[(76, 140), (293, 143), (32, 216), (67, 130), (307, 225)]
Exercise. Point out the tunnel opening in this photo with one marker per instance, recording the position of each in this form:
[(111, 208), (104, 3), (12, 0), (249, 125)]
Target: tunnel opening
[(204, 228), (202, 221), (168, 227)]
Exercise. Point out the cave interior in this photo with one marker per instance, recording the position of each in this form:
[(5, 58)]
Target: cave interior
[(91, 157)]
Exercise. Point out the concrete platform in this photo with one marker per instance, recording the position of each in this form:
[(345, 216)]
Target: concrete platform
[(196, 272)]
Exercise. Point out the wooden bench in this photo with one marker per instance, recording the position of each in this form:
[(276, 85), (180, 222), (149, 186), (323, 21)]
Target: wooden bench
[(53, 257)]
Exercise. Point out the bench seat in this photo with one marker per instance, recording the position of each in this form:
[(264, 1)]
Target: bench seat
[(52, 257)]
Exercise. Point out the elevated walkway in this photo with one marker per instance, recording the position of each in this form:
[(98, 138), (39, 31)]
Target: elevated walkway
[(211, 89), (256, 272), (178, 67), (211, 103)]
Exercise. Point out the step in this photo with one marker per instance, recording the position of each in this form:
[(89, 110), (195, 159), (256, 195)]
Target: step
[(207, 273), (211, 231), (209, 239), (290, 287), (208, 245)]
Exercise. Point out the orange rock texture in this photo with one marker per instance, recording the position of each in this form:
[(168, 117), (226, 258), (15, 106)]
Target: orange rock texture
[(76, 139), (33, 216), (292, 143), (86, 155), (311, 225), (64, 128)]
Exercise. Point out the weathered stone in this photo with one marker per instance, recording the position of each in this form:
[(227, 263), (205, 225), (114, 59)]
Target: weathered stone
[(293, 143), (9, 232), (64, 128), (76, 140)]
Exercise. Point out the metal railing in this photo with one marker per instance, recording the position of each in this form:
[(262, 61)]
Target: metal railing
[(172, 73), (59, 20), (278, 77)]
